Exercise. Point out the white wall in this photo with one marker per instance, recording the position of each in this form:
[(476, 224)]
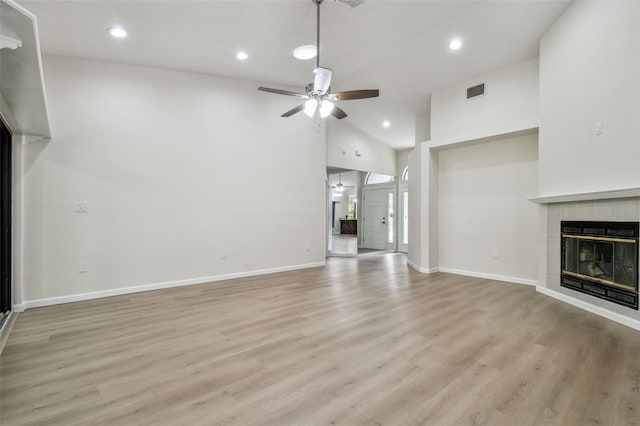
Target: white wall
[(510, 103), (402, 161), (423, 128), (344, 139), (414, 254), (17, 225), (483, 208), (589, 73), (178, 170)]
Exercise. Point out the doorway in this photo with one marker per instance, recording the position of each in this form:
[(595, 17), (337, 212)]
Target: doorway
[(379, 206), (6, 182), (343, 212), (361, 212)]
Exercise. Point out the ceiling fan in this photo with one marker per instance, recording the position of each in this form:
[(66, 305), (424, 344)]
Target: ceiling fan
[(317, 93), (339, 187)]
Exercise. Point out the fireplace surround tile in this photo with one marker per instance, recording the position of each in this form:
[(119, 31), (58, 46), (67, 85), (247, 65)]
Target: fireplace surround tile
[(569, 211), (555, 212), (553, 230), (614, 210), (627, 209), (584, 210), (553, 257)]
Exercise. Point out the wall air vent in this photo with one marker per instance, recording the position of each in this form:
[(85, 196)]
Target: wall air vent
[(474, 91)]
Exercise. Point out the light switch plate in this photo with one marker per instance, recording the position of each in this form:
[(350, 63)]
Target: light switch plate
[(598, 128), (81, 207)]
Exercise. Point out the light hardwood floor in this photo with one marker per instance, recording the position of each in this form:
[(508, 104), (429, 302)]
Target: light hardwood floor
[(361, 341)]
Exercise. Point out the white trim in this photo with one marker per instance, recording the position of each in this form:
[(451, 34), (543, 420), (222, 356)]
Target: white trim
[(21, 9), (613, 316), (5, 325), (18, 308), (588, 196), (5, 330), (33, 138), (7, 42), (157, 286), (516, 280), (422, 270), (38, 53)]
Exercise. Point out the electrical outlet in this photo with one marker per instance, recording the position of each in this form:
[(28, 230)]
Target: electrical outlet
[(83, 267), (495, 255), (81, 207), (224, 254), (307, 248)]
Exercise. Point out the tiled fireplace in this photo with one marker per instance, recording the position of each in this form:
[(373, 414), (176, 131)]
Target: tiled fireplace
[(584, 289), (601, 259)]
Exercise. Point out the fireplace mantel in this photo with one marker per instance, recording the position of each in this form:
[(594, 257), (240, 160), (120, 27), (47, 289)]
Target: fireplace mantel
[(588, 196)]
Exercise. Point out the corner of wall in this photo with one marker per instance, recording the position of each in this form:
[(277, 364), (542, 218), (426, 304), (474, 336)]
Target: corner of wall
[(17, 249)]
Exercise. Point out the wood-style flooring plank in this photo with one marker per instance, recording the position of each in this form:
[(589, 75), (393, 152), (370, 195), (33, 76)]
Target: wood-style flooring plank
[(361, 341)]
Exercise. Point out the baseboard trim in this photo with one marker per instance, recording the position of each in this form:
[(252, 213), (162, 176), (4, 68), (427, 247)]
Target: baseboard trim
[(422, 270), (495, 277), (158, 286), (18, 308), (5, 330), (613, 316)]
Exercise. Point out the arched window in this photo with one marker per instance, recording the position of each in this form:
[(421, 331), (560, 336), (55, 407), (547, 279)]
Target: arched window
[(405, 173), (373, 178)]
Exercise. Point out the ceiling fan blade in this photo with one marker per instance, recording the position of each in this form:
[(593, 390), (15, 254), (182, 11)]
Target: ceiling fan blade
[(356, 94), (338, 112), (322, 80), (283, 92), (293, 111)]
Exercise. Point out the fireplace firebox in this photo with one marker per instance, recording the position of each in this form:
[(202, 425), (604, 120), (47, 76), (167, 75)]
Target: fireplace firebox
[(601, 259)]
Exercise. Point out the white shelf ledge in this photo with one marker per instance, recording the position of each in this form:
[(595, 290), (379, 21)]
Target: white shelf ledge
[(463, 140), (588, 196)]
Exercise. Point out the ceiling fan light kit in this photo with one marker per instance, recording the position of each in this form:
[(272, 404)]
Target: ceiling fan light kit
[(318, 98), (304, 52)]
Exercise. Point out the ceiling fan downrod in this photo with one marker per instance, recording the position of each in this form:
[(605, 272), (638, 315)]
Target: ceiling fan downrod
[(317, 96), (318, 3)]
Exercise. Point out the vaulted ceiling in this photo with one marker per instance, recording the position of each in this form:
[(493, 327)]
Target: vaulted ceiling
[(400, 47)]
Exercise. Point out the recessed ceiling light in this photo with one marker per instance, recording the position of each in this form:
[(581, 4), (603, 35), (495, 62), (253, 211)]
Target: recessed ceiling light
[(386, 124), (242, 55), (117, 32), (455, 44), (305, 52)]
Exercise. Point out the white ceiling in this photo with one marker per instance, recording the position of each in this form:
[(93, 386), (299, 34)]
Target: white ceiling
[(400, 47)]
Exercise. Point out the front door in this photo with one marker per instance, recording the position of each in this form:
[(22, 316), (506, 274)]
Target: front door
[(376, 222)]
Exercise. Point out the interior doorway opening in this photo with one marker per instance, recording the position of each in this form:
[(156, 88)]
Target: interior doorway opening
[(342, 194), (362, 209)]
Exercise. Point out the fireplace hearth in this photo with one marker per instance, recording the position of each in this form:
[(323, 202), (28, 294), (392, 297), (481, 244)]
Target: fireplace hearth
[(601, 259)]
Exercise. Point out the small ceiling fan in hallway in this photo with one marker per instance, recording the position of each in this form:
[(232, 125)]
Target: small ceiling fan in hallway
[(318, 98)]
